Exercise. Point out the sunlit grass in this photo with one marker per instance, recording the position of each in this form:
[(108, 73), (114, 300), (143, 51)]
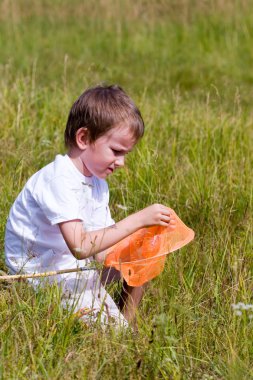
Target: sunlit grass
[(189, 68)]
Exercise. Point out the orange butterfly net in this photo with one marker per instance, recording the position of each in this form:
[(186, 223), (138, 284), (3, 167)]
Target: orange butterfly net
[(141, 256)]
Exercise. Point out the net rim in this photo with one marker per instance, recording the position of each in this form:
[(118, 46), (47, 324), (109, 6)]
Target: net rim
[(136, 262)]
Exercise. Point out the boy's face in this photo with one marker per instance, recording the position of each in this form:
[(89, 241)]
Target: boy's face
[(108, 152)]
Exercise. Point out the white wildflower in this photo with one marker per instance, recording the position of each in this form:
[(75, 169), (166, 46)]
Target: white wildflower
[(248, 307), (122, 207), (240, 308)]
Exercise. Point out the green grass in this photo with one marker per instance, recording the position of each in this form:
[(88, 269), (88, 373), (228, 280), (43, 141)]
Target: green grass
[(188, 65)]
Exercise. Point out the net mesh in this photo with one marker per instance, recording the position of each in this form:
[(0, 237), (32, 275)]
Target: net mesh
[(141, 256)]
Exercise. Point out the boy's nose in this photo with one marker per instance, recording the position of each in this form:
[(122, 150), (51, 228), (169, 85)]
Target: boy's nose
[(120, 161)]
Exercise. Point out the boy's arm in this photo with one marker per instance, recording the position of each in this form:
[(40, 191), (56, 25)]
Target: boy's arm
[(84, 244)]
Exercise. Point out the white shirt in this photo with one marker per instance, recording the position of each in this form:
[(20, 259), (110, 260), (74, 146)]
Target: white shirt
[(56, 193)]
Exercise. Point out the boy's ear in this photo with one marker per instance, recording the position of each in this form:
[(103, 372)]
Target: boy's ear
[(82, 138)]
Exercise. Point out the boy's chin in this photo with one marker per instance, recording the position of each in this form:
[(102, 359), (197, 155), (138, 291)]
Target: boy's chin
[(104, 174)]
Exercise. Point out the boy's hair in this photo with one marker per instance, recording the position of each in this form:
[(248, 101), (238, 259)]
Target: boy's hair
[(101, 108)]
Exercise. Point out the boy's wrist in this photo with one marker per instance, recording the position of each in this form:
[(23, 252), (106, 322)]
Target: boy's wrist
[(136, 221)]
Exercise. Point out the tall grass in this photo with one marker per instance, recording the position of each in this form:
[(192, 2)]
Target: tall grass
[(188, 65)]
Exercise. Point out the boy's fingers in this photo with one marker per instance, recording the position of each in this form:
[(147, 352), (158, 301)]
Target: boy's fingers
[(169, 216), (165, 218), (167, 210), (168, 220), (167, 224)]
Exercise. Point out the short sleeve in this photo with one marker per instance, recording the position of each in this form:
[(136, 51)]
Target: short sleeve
[(59, 200)]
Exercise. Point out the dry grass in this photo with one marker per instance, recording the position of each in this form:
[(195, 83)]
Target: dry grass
[(188, 65)]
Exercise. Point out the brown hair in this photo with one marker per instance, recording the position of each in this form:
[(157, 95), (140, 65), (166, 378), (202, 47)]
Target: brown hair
[(101, 108)]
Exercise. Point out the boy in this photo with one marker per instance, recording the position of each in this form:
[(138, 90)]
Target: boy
[(61, 219)]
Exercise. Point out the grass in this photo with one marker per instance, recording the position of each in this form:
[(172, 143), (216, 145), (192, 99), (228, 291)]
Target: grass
[(188, 65)]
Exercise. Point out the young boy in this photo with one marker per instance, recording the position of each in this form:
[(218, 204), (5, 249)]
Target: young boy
[(61, 219)]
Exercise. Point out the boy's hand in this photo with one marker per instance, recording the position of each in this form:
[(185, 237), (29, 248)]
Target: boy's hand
[(157, 214)]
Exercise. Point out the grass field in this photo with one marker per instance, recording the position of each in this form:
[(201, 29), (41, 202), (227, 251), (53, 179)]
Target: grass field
[(188, 66)]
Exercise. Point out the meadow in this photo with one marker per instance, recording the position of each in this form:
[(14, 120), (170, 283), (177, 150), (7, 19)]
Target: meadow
[(188, 66)]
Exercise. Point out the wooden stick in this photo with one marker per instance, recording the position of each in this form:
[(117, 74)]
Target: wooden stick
[(43, 274)]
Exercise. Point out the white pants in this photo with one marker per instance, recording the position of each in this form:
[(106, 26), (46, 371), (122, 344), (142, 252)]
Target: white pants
[(83, 294)]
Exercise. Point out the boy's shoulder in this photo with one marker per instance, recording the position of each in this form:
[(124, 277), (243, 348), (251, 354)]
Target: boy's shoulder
[(59, 167), (62, 173), (58, 170)]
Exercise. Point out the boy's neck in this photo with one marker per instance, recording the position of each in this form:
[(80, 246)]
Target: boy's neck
[(75, 158)]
